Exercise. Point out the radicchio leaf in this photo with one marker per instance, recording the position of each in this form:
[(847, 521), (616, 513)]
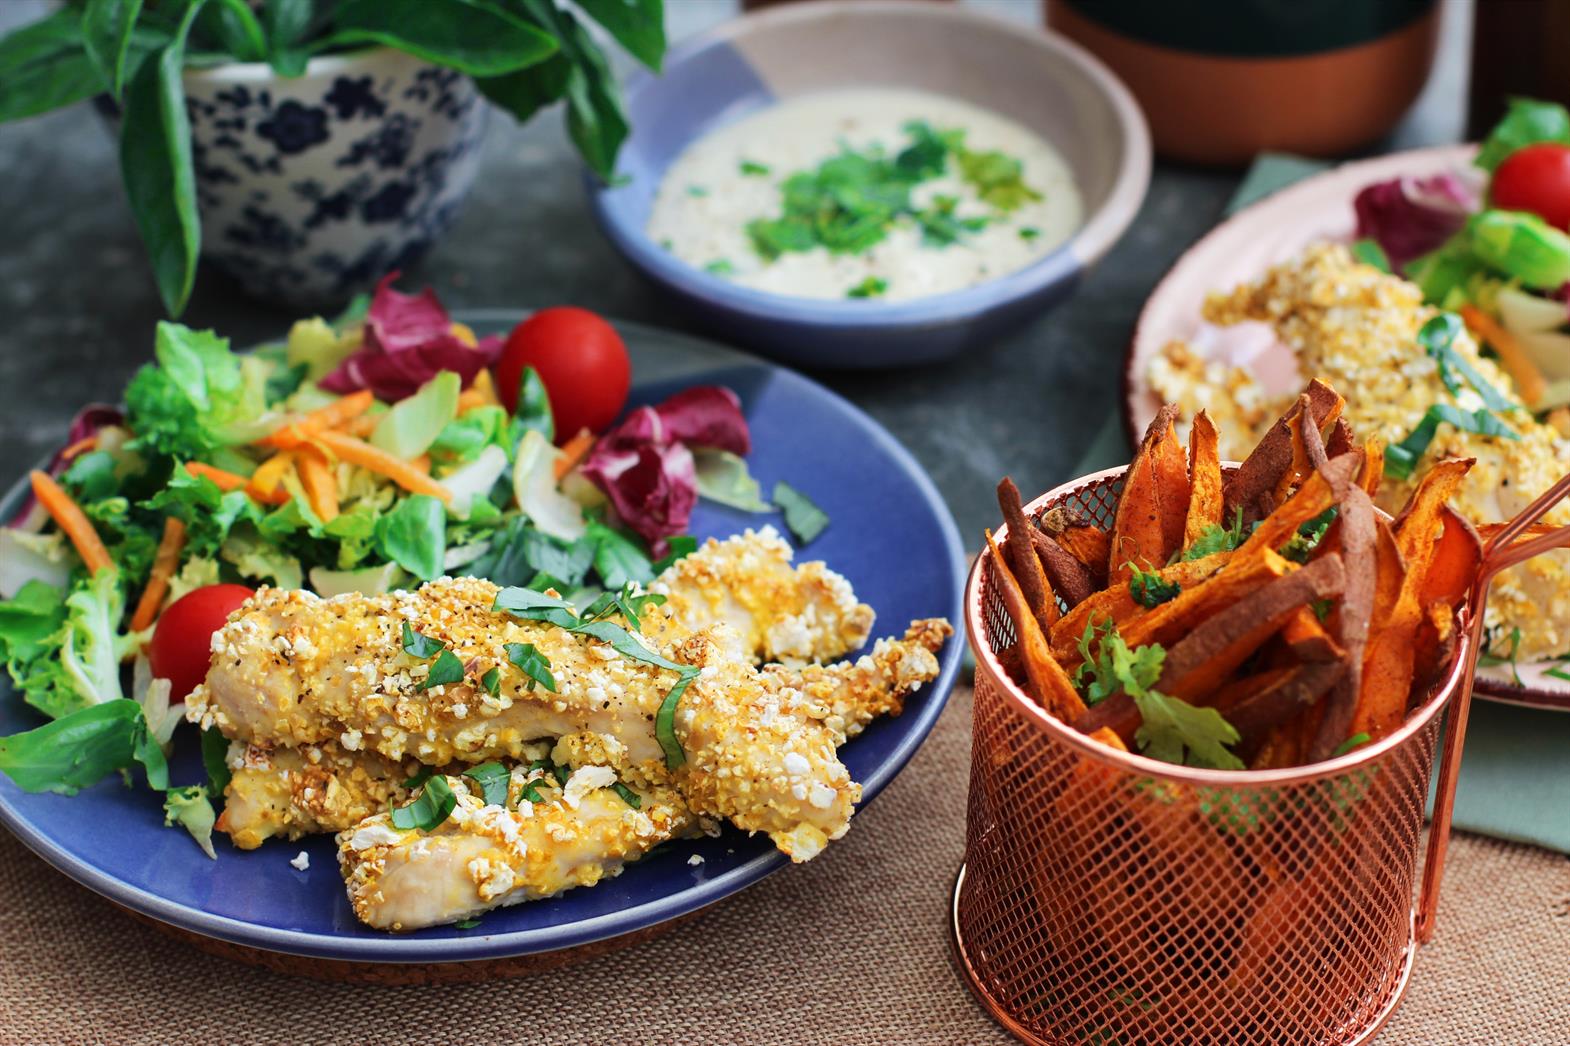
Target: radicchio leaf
[(88, 422), (1408, 217), (408, 340)]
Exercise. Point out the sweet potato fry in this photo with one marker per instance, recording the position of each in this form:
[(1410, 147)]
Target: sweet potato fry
[(1457, 555), (1307, 640), (1204, 479), (1089, 544), (1051, 683), (1022, 558), (1302, 456), (1389, 663), (1202, 660), (1373, 467), (1323, 488), (1139, 530), (1357, 536), (1340, 440), (1172, 620), (1116, 604), (1110, 739), (1436, 643), (1069, 578), (1250, 486), (1172, 480), (1255, 714)]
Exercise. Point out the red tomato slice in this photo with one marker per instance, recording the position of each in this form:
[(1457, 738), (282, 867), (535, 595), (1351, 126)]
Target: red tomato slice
[(180, 650), (581, 360), (1535, 178)]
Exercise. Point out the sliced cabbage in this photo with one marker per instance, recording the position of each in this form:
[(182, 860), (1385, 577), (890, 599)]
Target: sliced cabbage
[(1550, 351), (412, 425), (474, 480), (153, 695), (1524, 313), (25, 556), (534, 487), (724, 477), (368, 581)]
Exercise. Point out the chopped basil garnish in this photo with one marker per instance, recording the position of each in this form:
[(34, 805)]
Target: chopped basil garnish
[(533, 664), (1438, 337), (466, 924), (215, 760), (445, 669), (665, 721), (421, 776), (492, 681), (420, 646), (679, 547), (1401, 458), (429, 809), (561, 773), (1558, 673), (802, 515), (628, 796), (1491, 659), (492, 779)]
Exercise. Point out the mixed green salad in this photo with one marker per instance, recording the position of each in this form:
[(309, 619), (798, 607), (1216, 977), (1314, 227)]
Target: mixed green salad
[(389, 447), (1491, 245)]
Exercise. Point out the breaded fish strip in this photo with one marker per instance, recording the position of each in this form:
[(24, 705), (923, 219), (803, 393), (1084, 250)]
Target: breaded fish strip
[(290, 792), (302, 791), (292, 669), (485, 857), (792, 614)]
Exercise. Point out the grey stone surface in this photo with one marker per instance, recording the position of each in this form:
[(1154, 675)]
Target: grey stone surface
[(77, 303)]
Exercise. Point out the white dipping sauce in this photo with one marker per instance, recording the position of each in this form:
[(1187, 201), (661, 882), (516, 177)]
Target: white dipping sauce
[(705, 201)]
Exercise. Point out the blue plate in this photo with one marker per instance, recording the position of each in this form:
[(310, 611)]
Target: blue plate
[(1052, 87), (891, 535)]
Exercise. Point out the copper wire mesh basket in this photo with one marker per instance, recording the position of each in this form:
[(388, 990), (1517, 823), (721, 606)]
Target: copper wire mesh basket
[(1112, 900)]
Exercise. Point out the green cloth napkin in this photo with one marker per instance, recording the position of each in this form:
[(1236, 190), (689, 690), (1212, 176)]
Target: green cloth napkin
[(1515, 769)]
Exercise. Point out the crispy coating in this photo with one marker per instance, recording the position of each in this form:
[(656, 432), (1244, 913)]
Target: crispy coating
[(1356, 327), (794, 615), (292, 792), (485, 857)]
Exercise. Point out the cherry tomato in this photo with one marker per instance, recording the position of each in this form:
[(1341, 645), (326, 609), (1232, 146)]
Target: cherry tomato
[(1535, 178), (180, 649), (581, 360)]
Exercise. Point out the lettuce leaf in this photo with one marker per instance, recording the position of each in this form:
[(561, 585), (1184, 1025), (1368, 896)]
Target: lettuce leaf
[(1527, 122), (413, 534), (412, 425), (78, 750)]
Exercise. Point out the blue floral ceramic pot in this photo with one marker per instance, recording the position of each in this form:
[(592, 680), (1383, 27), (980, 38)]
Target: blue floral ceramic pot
[(311, 188)]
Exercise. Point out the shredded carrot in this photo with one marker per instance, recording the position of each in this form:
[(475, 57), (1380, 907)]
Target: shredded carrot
[(574, 451), (266, 483), (321, 487), (72, 521), (1529, 381), (480, 393), (421, 464), (362, 426), (334, 415), (225, 479), (164, 564), (470, 398), (403, 473), (81, 446), (464, 333)]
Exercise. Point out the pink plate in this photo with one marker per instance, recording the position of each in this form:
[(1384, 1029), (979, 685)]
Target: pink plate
[(1240, 249)]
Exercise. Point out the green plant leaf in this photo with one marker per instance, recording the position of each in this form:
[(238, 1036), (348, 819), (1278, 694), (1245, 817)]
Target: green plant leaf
[(596, 119), (527, 91), (45, 66), (155, 161), (459, 34), (215, 760), (232, 26), (493, 779), (802, 515), (286, 23), (617, 558), (638, 25), (413, 534), (1528, 121), (429, 809), (77, 750), (533, 664), (106, 34)]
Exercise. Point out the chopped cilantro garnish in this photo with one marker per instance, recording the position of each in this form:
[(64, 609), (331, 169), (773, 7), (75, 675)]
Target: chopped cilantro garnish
[(1322, 607), (1438, 337), (1302, 544), (941, 226), (753, 169), (1149, 589), (1029, 232), (533, 664), (1350, 743), (720, 267), (445, 669), (429, 809), (802, 515), (997, 177), (1216, 538), (420, 646), (492, 779), (628, 796), (1171, 730), (1401, 458), (871, 287), (697, 191)]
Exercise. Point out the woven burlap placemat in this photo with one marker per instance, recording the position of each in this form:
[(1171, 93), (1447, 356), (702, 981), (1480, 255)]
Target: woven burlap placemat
[(849, 950)]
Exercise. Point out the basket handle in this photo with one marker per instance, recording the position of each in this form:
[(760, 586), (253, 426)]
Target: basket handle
[(1501, 553)]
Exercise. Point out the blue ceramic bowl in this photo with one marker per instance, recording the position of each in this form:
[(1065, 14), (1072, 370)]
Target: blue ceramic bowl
[(1039, 80), (890, 534)]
